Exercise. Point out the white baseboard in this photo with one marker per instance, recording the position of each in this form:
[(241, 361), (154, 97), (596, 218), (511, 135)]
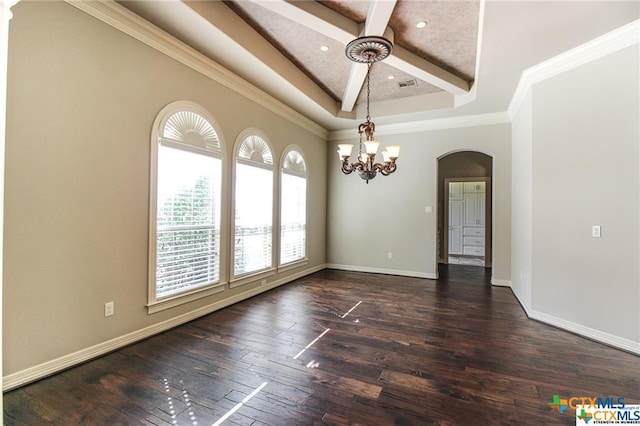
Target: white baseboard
[(48, 368), (524, 307), (501, 283), (428, 275), (581, 330), (588, 332)]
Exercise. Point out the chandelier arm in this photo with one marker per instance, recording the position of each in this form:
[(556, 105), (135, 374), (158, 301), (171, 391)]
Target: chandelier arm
[(378, 167), (388, 168), (358, 166), (369, 49), (346, 167)]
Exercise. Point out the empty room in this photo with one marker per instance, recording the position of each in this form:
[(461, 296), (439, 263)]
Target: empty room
[(269, 212)]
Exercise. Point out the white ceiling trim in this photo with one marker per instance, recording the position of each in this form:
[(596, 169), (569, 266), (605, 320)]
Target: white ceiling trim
[(269, 69), (473, 91), (315, 17), (131, 24), (428, 125), (378, 17), (357, 74), (609, 43)]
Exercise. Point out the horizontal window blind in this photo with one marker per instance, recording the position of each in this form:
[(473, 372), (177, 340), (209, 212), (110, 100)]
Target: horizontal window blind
[(293, 242), (253, 231), (293, 217), (187, 258), (252, 249), (187, 221)]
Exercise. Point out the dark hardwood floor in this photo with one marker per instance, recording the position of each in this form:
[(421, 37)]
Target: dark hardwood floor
[(342, 348)]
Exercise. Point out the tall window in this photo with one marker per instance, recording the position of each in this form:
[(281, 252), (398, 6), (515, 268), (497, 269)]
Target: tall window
[(293, 208), (253, 207), (185, 237)]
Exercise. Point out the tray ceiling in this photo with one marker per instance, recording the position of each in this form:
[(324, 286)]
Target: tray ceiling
[(302, 43), (467, 60)]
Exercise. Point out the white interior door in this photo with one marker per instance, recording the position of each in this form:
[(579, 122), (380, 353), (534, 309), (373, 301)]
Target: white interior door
[(456, 215)]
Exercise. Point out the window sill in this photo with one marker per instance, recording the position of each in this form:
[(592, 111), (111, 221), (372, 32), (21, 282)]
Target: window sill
[(181, 299), (250, 278), (293, 265)]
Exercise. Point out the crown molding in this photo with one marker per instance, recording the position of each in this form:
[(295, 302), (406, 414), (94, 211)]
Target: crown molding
[(5, 8), (428, 125), (122, 19), (609, 43)]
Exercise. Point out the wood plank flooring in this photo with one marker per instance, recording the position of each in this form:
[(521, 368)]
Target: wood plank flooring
[(342, 348)]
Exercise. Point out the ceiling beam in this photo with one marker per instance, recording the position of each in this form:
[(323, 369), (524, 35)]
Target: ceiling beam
[(378, 17), (325, 21), (412, 64), (269, 68), (314, 16)]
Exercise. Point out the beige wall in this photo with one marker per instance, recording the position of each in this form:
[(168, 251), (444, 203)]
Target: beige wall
[(586, 172), (577, 164), (82, 98), (388, 215), (521, 203)]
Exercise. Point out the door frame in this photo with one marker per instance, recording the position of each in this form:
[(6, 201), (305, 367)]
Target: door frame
[(488, 190)]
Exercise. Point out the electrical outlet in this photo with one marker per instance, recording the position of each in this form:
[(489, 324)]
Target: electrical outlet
[(390, 255), (263, 283), (108, 309), (595, 231)]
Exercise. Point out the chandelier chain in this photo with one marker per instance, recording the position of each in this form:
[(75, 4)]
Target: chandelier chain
[(368, 49), (368, 89)]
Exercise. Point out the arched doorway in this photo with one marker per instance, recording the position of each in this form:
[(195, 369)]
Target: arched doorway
[(464, 208)]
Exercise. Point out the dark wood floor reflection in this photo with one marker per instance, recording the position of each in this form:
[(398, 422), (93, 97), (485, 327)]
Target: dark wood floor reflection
[(342, 348)]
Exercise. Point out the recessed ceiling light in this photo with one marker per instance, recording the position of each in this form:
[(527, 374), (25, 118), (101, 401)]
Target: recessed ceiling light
[(391, 77), (324, 48), (421, 24)]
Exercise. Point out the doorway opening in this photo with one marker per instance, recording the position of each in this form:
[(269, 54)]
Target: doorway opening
[(464, 209)]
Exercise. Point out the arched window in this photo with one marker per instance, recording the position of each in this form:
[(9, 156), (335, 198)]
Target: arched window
[(253, 219), (185, 202), (293, 208)]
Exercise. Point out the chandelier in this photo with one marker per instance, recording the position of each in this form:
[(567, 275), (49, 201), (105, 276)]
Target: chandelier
[(368, 50)]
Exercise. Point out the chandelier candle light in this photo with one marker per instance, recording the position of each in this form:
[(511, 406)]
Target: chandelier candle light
[(368, 50)]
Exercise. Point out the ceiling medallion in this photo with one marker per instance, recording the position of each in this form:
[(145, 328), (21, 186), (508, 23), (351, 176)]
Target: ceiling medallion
[(368, 50)]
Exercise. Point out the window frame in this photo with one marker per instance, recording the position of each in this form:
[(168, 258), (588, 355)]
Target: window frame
[(237, 280), (154, 303), (305, 259)]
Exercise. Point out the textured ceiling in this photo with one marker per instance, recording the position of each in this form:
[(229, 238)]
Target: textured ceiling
[(449, 42), (466, 61)]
